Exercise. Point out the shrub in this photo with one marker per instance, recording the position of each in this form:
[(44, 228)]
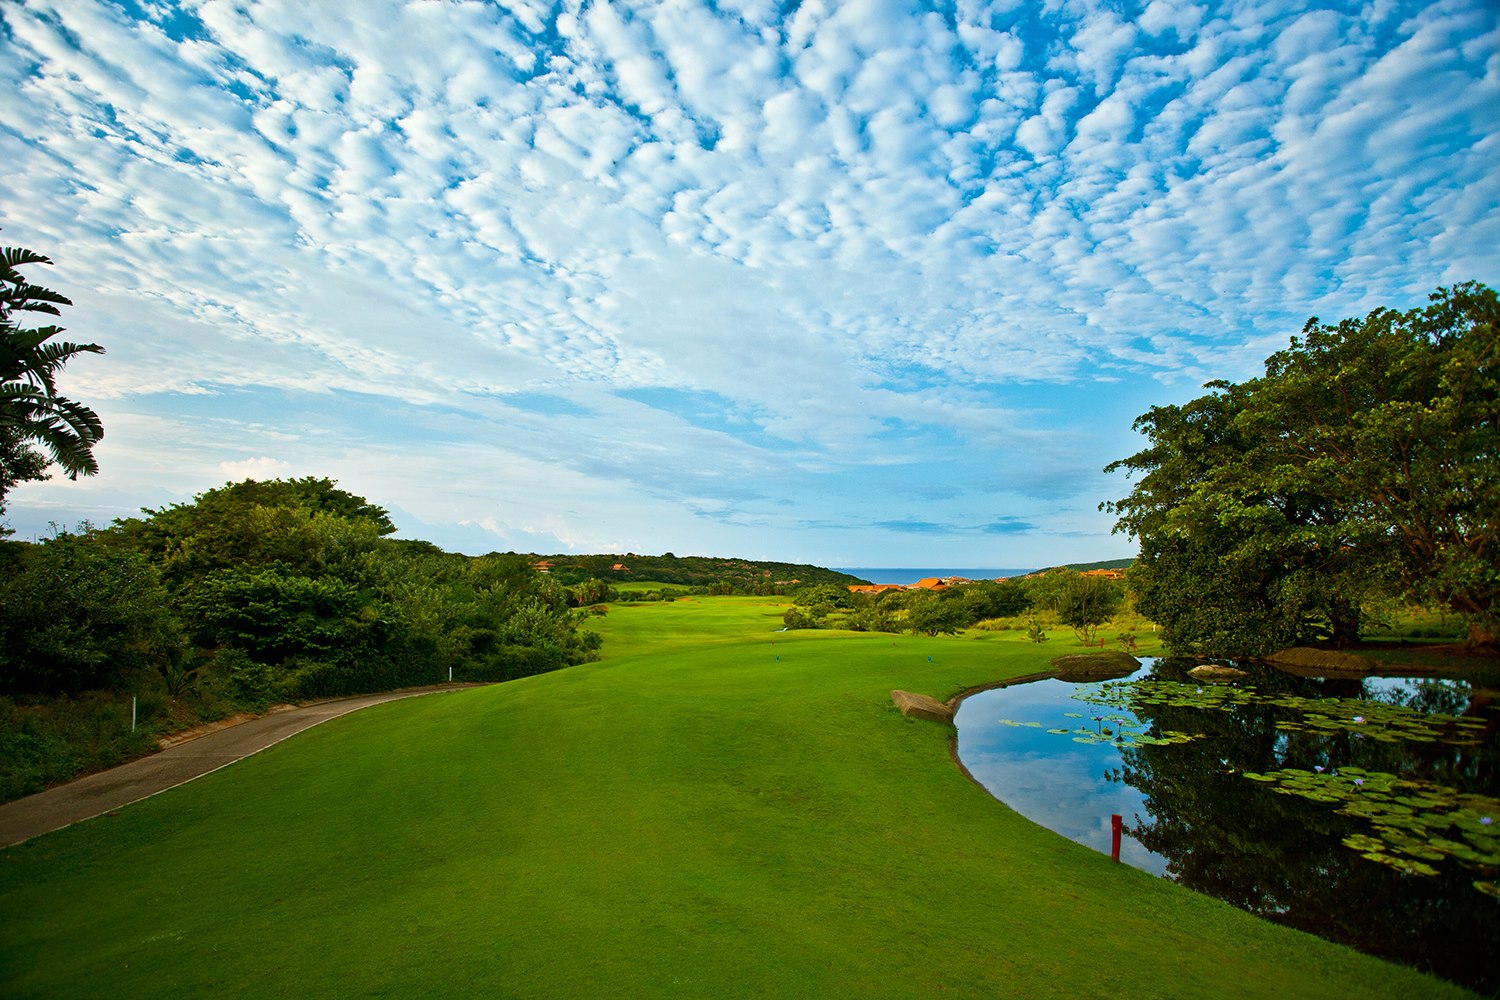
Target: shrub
[(54, 740), (77, 613), (798, 618)]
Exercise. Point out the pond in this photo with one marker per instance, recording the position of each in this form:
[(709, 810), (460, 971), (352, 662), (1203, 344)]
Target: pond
[(1366, 811)]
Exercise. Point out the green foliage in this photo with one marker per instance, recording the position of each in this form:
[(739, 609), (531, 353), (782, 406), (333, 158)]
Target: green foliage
[(1365, 461), (1044, 590), (800, 618), (1036, 627), (274, 615), (872, 616), (31, 408), (929, 614), (824, 599), (47, 741), (994, 599), (251, 683), (590, 591), (180, 672), (297, 574), (288, 590), (1399, 414), (77, 613), (18, 464), (308, 526), (1087, 602)]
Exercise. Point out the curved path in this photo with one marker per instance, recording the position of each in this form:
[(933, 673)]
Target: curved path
[(99, 793)]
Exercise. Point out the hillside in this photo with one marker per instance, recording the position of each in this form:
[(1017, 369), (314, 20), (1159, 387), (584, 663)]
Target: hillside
[(687, 571), (1104, 564)]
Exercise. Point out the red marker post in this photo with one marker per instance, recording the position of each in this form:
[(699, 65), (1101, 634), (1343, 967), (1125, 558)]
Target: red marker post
[(1115, 822)]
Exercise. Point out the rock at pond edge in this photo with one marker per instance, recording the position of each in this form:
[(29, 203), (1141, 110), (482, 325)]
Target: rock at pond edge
[(1094, 666), (1214, 672), (1321, 660), (920, 706)]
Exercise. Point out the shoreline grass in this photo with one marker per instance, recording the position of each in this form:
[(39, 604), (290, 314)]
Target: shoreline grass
[(699, 814)]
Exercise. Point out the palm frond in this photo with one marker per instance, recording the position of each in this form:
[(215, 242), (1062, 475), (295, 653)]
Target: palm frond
[(30, 407), (14, 257), (34, 298)]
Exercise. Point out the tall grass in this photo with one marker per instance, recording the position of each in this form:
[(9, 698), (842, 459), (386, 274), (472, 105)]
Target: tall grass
[(49, 741)]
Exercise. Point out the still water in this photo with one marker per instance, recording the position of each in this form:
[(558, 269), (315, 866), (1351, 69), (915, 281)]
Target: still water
[(1366, 811)]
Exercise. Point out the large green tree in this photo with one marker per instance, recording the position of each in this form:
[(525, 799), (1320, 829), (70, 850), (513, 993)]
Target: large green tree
[(1365, 460), (32, 411)]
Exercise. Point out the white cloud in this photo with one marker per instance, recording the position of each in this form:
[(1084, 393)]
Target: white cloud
[(261, 467), (437, 206)]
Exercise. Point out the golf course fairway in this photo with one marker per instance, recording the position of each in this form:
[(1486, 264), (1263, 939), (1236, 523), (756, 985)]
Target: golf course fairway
[(699, 814)]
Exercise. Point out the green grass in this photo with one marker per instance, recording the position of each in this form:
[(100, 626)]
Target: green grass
[(643, 586), (689, 817)]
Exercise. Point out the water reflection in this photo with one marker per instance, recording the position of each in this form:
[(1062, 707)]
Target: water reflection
[(1192, 816)]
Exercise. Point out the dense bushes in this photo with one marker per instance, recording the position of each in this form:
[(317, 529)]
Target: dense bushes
[(252, 594), (77, 613)]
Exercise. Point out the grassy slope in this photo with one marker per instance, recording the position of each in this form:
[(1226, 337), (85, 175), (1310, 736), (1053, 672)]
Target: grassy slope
[(689, 817)]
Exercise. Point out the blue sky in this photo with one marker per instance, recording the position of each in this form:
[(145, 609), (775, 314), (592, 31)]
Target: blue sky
[(859, 283)]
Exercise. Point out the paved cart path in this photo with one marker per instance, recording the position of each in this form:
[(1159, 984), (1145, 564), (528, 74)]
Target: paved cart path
[(99, 793)]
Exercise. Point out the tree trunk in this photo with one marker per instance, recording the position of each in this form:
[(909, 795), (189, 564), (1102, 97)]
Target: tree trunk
[(1482, 638), (1343, 623)]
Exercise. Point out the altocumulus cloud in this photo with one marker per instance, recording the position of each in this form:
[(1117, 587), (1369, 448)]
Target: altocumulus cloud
[(824, 281)]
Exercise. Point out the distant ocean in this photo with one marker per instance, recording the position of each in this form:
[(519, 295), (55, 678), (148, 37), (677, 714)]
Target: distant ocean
[(899, 574)]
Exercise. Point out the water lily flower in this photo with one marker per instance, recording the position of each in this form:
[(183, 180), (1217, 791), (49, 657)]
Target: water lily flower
[(1359, 718), (1359, 781), (1486, 820), (1318, 768)]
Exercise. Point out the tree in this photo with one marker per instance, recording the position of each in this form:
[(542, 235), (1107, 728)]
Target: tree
[(929, 614), (18, 464), (1044, 590), (994, 599), (1228, 566), (304, 524), (1086, 603), (1366, 460), (1398, 415), (274, 615), (800, 618), (826, 596), (31, 408)]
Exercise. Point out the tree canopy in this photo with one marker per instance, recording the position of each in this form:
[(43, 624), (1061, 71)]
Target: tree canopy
[(1365, 461), (279, 589)]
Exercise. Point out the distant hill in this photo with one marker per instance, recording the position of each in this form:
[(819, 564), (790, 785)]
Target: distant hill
[(1106, 564), (686, 571)]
